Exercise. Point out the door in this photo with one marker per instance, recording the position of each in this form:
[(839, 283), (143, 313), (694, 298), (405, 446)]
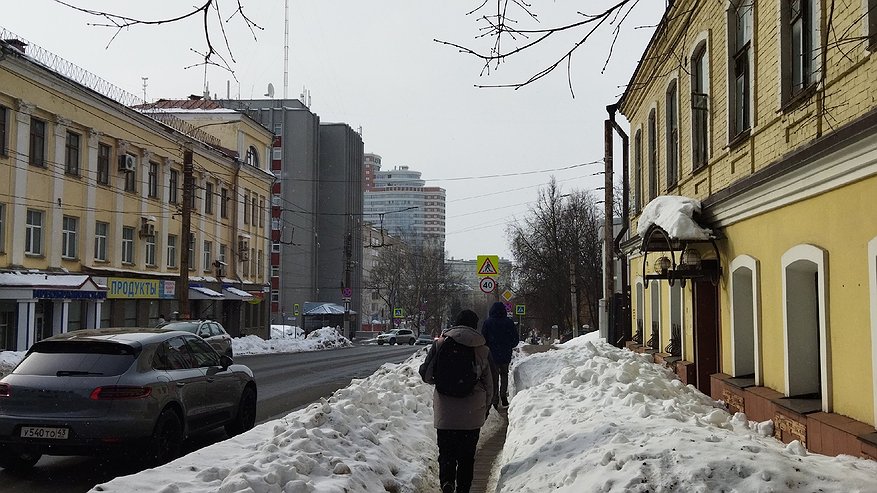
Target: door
[(706, 331)]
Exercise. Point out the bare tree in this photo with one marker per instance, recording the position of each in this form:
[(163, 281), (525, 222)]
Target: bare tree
[(514, 27), (205, 14), (557, 249)]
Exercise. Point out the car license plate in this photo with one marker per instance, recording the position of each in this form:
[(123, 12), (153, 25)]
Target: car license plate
[(44, 432)]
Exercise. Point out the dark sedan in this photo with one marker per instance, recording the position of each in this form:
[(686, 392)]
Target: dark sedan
[(96, 391)]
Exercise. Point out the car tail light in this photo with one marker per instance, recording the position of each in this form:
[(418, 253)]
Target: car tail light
[(120, 392), (5, 390)]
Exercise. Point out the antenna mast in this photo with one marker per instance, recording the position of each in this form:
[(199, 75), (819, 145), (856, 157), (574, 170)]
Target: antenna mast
[(286, 49), (144, 88)]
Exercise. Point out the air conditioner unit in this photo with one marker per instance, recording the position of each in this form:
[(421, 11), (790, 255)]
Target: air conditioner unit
[(126, 163), (147, 230)]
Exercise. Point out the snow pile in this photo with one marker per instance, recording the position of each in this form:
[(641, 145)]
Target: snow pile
[(286, 331), (8, 360), (374, 435), (325, 338), (591, 417), (673, 214)]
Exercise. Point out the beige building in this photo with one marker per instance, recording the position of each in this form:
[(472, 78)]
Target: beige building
[(91, 201), (764, 112)]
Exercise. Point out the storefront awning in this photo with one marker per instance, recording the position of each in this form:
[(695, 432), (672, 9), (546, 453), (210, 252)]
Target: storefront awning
[(232, 293), (202, 293)]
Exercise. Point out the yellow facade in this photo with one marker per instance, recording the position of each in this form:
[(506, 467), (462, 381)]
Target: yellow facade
[(106, 215), (787, 189)]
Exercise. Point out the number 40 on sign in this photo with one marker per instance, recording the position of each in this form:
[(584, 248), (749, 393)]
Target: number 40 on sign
[(487, 284)]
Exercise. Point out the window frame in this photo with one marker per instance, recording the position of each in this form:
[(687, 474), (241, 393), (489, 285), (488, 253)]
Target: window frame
[(152, 185), (72, 153), (2, 228), (69, 237), (252, 157), (652, 135), (192, 251), (150, 250), (172, 252), (793, 92), (223, 205), (671, 133), (131, 179), (127, 250), (37, 143), (637, 170), (33, 240), (4, 130), (207, 253), (208, 197), (101, 240), (740, 60), (173, 186), (700, 106), (103, 163)]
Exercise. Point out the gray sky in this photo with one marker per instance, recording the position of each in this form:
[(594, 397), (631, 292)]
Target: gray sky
[(373, 64)]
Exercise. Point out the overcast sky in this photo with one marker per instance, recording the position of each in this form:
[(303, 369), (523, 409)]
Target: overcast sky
[(374, 65)]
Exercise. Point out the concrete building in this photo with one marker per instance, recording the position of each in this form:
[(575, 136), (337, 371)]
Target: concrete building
[(764, 112), (400, 202), (90, 200)]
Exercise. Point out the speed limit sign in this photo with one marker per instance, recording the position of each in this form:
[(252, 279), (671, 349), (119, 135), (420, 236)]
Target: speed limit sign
[(487, 284)]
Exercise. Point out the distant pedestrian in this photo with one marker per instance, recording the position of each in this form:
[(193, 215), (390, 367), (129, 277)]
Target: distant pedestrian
[(161, 320), (459, 365), (501, 337)]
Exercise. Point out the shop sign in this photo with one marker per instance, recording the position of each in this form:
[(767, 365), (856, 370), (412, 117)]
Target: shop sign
[(56, 294), (125, 288)]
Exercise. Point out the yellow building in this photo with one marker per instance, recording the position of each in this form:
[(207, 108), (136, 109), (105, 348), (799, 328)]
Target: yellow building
[(764, 113), (91, 205)]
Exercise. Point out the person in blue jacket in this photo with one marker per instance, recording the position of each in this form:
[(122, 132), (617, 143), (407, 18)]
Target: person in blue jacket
[(501, 335)]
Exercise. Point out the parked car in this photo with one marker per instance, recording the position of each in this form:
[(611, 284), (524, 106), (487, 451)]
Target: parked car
[(424, 339), (397, 336), (90, 392), (211, 331)]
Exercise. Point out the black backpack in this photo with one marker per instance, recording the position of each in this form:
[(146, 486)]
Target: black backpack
[(454, 371)]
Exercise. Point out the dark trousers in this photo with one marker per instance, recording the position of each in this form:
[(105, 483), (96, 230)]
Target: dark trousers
[(456, 458), (501, 382)]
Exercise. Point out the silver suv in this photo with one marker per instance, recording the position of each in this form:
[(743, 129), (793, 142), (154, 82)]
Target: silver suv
[(397, 336), (211, 331), (98, 391)]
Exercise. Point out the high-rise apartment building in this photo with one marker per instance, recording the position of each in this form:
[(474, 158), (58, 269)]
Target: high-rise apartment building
[(399, 202)]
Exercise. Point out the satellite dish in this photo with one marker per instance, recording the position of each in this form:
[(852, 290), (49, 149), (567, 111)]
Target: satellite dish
[(270, 93)]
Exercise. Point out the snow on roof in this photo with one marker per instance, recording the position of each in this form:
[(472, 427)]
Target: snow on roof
[(674, 214), (35, 280)]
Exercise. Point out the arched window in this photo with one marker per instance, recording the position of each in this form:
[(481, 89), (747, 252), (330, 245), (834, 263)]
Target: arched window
[(671, 117), (745, 340), (700, 101), (638, 171), (252, 157), (653, 155)]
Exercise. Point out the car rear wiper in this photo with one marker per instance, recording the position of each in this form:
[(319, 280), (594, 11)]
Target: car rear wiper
[(72, 373)]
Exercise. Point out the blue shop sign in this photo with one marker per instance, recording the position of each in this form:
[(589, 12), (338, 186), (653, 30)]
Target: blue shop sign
[(68, 295)]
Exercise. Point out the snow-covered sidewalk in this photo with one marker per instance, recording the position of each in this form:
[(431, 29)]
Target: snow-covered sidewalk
[(585, 417)]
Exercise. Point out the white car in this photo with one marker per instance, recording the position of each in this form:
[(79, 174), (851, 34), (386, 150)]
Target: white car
[(397, 336)]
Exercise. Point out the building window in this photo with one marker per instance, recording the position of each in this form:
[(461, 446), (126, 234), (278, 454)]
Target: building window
[(173, 187), (4, 116), (223, 203), (131, 181), (68, 237), (71, 157), (33, 239), (275, 247), (252, 157), (672, 134), (246, 207), (799, 47), (261, 211), (153, 180), (653, 155), (101, 231), (192, 258), (127, 245), (37, 142), (275, 271), (278, 128), (699, 108), (207, 252), (252, 262), (275, 223), (103, 164), (222, 250), (208, 198), (261, 260), (171, 251), (740, 29), (275, 297), (150, 250), (2, 228), (637, 170), (254, 209), (194, 190), (871, 20), (275, 200)]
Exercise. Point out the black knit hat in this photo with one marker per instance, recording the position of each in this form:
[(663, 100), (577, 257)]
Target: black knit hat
[(467, 318)]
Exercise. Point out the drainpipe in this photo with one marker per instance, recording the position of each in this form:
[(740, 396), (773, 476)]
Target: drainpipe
[(625, 314)]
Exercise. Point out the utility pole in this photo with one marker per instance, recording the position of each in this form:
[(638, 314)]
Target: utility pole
[(183, 283), (573, 292)]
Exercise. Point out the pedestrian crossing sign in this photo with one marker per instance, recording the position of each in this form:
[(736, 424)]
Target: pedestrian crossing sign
[(397, 313), (488, 265), (520, 309)]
